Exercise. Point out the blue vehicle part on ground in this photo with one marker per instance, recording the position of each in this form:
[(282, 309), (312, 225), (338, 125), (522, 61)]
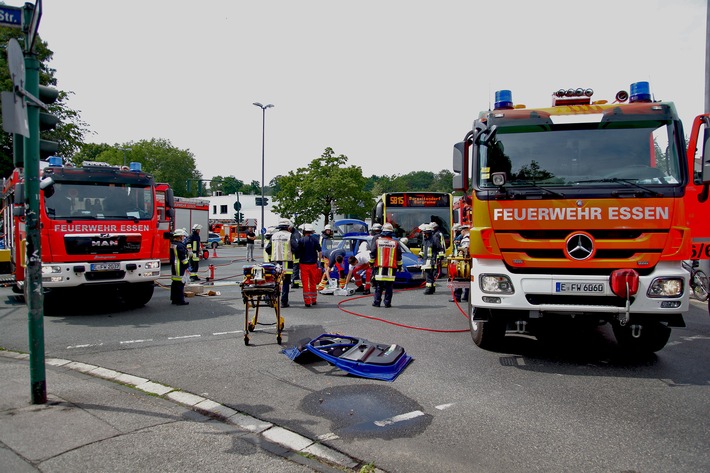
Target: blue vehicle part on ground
[(353, 355)]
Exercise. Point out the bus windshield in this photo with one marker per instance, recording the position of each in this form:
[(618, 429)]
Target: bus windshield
[(90, 200)]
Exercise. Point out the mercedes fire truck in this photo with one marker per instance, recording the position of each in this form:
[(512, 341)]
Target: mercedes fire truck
[(581, 214)]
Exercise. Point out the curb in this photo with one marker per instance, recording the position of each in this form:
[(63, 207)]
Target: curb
[(273, 433)]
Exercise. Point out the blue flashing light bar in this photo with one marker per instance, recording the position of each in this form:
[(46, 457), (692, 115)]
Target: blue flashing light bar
[(136, 167), (55, 161), (640, 92), (504, 100)]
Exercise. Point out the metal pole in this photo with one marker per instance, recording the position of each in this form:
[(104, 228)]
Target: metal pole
[(263, 134), (33, 279)]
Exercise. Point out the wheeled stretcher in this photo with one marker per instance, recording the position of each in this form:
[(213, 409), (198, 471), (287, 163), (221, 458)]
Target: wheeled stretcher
[(261, 287)]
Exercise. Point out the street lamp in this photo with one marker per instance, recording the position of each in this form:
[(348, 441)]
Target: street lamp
[(263, 133)]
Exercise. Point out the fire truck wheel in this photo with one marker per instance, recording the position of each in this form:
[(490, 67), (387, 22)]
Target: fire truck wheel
[(486, 334), (652, 337), (138, 295)]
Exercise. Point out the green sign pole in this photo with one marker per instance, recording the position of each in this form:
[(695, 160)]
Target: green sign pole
[(33, 276)]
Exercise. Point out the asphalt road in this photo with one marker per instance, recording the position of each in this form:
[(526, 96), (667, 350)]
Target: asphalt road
[(575, 404)]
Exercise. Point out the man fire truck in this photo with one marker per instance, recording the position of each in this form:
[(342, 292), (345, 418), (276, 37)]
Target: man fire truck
[(99, 228), (581, 212)]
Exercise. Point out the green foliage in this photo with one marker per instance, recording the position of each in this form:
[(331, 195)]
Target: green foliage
[(71, 130), (157, 156), (413, 181), (324, 188)]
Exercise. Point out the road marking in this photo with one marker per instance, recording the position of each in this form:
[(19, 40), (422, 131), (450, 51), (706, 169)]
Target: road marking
[(135, 341), (184, 336), (328, 436), (227, 333), (441, 407), (399, 418), (88, 345)]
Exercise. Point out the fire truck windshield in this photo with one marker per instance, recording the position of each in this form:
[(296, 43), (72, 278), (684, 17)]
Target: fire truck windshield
[(565, 156), (82, 200)]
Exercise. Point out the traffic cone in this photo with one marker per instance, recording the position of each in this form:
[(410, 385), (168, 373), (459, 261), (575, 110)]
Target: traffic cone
[(214, 252)]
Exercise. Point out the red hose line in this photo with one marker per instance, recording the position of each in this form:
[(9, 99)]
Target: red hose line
[(412, 327)]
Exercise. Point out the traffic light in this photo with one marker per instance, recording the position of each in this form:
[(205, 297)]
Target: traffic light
[(265, 201), (257, 201), (261, 202), (238, 216), (47, 121)]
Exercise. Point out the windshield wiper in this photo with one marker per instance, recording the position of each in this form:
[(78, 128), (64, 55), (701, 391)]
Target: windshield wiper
[(513, 194), (625, 181)]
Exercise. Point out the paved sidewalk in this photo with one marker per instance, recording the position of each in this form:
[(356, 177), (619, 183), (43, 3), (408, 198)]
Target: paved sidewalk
[(102, 420)]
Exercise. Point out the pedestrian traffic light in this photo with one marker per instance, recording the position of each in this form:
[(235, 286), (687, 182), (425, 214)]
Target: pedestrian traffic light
[(47, 121)]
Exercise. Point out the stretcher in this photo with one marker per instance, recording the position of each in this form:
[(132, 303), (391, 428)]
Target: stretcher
[(261, 287)]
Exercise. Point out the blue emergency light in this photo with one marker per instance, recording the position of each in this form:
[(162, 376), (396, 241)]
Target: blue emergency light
[(55, 161), (136, 167), (504, 100), (640, 92)]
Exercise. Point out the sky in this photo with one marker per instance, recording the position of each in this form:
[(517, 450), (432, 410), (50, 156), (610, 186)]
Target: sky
[(391, 84)]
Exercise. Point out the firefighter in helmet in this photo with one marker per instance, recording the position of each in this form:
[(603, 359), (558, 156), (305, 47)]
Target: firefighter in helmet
[(431, 249), (386, 259), (281, 251), (179, 262), (195, 246)]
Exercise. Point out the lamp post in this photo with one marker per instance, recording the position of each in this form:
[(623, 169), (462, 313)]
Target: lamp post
[(263, 133)]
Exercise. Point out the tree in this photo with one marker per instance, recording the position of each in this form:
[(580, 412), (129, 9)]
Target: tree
[(69, 134), (158, 157), (326, 187)]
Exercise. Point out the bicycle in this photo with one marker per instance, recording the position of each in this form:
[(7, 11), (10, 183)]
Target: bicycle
[(698, 281)]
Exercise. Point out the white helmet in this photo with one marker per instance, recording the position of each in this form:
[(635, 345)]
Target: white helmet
[(328, 227), (197, 226), (387, 227), (180, 232), (284, 223), (376, 227), (307, 227), (434, 225), (427, 228)]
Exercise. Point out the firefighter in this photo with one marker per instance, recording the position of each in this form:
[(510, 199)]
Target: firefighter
[(267, 236), (386, 259), (280, 251), (179, 263), (360, 271), (462, 251), (431, 249), (309, 252), (194, 245), (375, 231), (296, 278), (442, 253)]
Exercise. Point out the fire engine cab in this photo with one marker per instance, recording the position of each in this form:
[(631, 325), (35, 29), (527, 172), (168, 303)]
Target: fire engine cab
[(581, 212), (99, 228)]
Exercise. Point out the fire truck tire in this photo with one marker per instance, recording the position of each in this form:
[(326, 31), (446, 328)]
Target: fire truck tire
[(486, 334), (653, 337), (138, 295)]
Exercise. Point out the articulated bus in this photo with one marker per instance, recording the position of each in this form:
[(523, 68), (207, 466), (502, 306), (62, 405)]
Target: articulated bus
[(406, 211)]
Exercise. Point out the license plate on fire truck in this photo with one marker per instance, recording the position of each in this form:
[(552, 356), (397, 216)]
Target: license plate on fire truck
[(578, 287), (105, 266)]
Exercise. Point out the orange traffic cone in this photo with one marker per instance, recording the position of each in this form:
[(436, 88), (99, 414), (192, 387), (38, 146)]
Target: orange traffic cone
[(214, 252)]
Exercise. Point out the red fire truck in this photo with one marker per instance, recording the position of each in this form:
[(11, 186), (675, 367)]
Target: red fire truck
[(582, 213), (100, 228)]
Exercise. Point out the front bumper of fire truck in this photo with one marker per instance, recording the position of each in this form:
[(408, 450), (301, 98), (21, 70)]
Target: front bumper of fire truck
[(664, 290), (56, 275)]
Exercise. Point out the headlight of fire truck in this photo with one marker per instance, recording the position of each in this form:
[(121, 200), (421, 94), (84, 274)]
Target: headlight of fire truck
[(665, 287), (51, 273), (152, 265), (496, 284)]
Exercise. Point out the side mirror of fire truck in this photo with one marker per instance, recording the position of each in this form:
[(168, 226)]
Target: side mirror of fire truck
[(18, 209), (706, 156), (460, 167)]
